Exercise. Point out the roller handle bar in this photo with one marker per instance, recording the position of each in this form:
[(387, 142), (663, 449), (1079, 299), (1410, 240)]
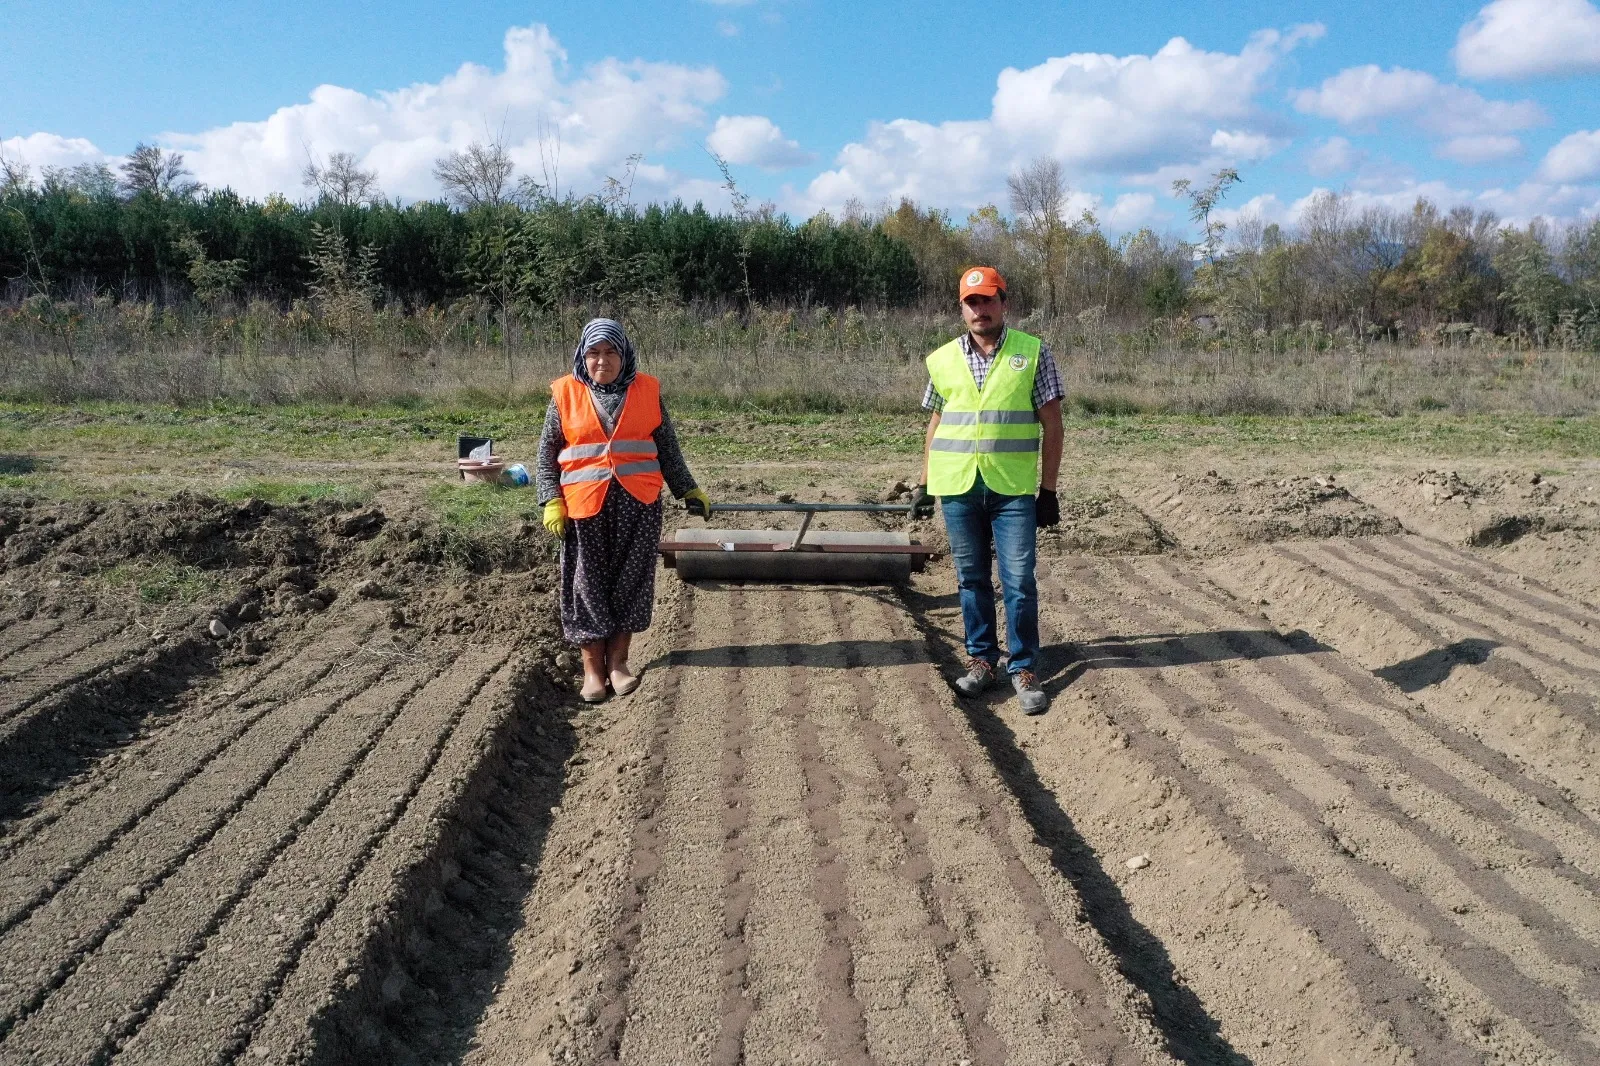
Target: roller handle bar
[(812, 508)]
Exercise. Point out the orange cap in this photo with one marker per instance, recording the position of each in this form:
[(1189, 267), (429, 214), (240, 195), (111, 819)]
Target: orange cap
[(985, 281)]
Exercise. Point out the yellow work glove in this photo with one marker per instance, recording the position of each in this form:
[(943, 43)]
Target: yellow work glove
[(698, 502), (555, 517)]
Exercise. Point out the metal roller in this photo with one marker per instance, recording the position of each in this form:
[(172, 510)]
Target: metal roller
[(831, 556)]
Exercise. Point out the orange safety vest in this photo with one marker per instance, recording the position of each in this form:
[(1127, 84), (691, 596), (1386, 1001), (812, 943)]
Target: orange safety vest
[(591, 460)]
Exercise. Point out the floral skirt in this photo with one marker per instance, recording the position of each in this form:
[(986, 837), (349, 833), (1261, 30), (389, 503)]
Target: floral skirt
[(608, 569)]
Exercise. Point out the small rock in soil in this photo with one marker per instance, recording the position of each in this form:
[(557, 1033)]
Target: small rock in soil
[(361, 524), (1138, 862), (218, 628)]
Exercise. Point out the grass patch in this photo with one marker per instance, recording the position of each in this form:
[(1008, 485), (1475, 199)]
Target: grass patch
[(161, 583), (474, 506), (714, 429), (288, 492)]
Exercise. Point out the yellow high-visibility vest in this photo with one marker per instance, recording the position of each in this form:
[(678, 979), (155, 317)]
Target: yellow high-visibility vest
[(994, 431)]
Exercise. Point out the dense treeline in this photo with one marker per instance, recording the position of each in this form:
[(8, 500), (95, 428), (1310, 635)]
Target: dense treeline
[(70, 242), (153, 237)]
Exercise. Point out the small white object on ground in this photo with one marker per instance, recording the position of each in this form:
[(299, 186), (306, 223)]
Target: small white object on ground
[(218, 628), (1138, 862)]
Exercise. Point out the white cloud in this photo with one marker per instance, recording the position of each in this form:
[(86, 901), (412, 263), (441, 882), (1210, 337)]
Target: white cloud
[(1266, 208), (1096, 114), (1527, 38), (1514, 206), (1246, 147), (1364, 96), (753, 140), (610, 110), (1575, 158), (1132, 210), (1479, 148), (40, 150), (1334, 156), (727, 29)]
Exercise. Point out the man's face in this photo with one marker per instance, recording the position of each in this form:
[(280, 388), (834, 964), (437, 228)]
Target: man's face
[(984, 315)]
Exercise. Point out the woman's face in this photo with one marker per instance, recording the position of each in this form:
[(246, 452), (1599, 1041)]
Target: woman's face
[(603, 362)]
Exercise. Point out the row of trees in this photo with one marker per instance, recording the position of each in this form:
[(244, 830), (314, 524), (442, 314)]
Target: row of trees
[(84, 232), (522, 245)]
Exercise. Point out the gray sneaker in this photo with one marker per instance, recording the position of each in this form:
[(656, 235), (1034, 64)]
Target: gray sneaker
[(1029, 694), (979, 676)]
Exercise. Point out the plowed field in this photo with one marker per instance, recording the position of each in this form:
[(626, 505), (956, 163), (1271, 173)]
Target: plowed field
[(1317, 785)]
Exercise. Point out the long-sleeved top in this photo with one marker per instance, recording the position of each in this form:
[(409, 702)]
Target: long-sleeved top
[(547, 471)]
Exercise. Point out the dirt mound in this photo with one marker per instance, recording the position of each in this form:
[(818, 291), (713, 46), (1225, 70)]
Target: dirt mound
[(1210, 512), (1102, 524), (1492, 508)]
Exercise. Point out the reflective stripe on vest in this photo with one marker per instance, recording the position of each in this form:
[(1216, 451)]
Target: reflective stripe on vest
[(591, 460), (590, 451), (978, 446), (994, 431), (1002, 418), (604, 473)]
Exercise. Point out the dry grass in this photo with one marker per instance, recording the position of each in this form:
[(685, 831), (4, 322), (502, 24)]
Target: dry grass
[(783, 360)]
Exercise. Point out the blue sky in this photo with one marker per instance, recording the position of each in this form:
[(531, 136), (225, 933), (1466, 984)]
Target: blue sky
[(815, 102)]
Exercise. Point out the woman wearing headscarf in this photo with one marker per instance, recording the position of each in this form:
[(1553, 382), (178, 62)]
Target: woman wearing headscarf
[(607, 449)]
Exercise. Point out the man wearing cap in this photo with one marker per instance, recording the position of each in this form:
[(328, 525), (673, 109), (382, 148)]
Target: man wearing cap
[(992, 457)]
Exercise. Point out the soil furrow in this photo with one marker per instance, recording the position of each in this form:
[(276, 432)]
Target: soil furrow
[(675, 997), (1512, 993), (1180, 927), (1498, 769), (164, 834), (26, 664), (1397, 577), (961, 997), (408, 959), (148, 913), (1535, 939), (52, 750), (20, 637), (140, 785), (26, 693), (1506, 671), (1511, 582), (1389, 992), (1374, 730), (618, 966), (183, 731), (985, 861), (1403, 554), (281, 915), (797, 978), (737, 886)]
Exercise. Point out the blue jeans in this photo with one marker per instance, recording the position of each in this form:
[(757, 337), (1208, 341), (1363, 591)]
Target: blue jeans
[(984, 525)]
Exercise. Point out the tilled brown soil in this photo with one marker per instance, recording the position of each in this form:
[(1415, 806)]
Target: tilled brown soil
[(1312, 789)]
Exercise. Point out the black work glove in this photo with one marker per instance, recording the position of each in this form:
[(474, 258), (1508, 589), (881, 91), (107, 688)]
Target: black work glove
[(921, 502), (1047, 510)]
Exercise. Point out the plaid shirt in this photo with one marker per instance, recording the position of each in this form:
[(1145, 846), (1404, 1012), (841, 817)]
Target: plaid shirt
[(1046, 380)]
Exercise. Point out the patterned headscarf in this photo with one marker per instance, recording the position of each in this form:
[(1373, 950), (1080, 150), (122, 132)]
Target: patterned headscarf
[(605, 329)]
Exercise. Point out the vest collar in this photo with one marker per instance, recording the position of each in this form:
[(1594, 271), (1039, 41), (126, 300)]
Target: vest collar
[(969, 345)]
